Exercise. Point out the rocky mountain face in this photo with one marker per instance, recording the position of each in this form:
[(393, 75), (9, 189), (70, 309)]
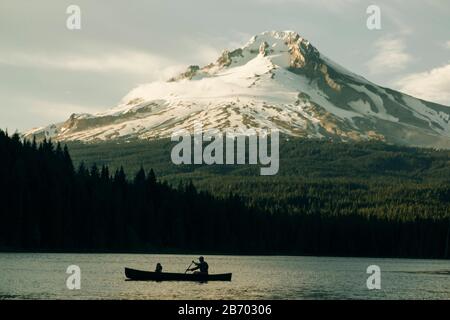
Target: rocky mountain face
[(277, 80)]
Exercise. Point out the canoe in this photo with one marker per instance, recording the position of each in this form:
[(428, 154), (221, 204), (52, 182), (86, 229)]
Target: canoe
[(138, 275)]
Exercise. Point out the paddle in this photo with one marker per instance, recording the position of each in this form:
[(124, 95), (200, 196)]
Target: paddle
[(188, 268)]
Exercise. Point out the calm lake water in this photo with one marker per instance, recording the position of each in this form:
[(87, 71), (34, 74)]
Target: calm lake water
[(43, 276)]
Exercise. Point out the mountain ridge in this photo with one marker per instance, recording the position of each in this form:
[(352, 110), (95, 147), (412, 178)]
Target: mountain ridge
[(277, 80)]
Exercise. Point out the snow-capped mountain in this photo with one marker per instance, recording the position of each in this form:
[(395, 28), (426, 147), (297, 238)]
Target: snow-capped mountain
[(277, 80)]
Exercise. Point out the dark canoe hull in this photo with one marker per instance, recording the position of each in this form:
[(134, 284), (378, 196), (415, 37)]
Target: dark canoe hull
[(138, 275)]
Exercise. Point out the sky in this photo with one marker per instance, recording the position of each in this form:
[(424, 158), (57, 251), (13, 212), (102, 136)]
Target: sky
[(48, 72)]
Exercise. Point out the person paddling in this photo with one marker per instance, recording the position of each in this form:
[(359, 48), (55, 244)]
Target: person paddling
[(201, 265)]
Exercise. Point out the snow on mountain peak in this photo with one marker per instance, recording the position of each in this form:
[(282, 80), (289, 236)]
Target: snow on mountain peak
[(276, 80), (285, 48)]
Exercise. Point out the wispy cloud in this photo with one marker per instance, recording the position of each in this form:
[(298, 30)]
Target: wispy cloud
[(126, 62), (390, 56), (26, 112), (447, 44), (333, 6), (433, 85), (56, 110)]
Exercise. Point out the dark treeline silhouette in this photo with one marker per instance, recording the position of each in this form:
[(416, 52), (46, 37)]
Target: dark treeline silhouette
[(48, 205)]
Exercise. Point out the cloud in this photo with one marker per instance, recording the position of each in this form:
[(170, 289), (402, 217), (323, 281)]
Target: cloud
[(390, 56), (125, 61), (336, 6), (433, 85), (30, 112), (206, 54), (55, 110), (447, 44)]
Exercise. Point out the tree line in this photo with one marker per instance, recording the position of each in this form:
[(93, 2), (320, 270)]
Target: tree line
[(46, 204)]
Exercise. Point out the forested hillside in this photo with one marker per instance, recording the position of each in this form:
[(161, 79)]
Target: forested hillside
[(298, 157), (48, 204), (330, 178)]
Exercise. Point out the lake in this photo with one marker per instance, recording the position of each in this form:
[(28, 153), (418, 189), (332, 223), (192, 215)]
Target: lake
[(43, 276)]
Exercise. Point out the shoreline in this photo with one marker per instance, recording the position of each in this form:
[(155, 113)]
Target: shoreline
[(205, 253)]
